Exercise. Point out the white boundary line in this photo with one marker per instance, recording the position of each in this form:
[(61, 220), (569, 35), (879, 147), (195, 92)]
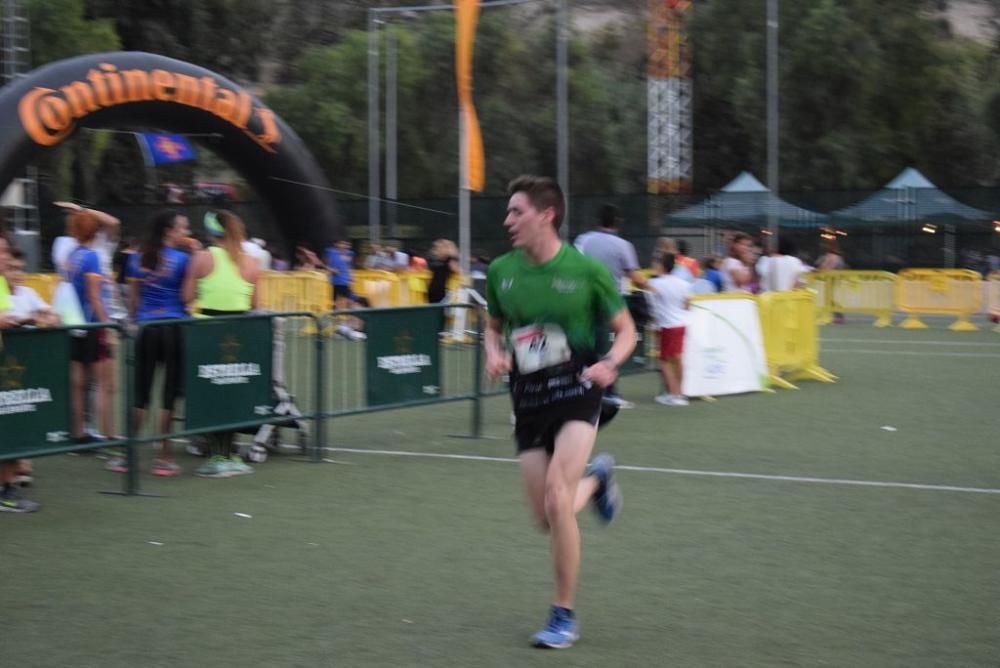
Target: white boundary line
[(912, 343), (921, 353), (713, 474)]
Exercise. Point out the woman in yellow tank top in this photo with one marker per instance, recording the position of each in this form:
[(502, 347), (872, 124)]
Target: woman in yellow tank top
[(224, 280)]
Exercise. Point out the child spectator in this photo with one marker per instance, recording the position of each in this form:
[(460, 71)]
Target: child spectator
[(670, 299)]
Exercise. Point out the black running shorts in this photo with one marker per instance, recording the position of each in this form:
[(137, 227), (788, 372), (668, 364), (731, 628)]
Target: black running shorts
[(545, 401)]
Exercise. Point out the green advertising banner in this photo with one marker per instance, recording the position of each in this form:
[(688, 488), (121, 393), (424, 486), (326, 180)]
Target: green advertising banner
[(34, 391), (403, 356), (227, 377)]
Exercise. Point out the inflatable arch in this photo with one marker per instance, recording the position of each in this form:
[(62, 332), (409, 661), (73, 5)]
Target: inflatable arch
[(132, 89)]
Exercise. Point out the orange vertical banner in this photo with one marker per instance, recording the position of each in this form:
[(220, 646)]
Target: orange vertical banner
[(466, 17)]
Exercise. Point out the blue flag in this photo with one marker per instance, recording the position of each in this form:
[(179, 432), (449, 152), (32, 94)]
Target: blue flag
[(166, 148)]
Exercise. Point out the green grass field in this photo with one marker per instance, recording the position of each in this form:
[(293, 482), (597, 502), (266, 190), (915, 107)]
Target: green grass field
[(746, 540)]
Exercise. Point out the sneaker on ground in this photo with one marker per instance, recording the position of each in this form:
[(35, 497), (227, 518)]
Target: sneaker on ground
[(607, 499), (559, 633), (663, 399), (618, 401), (237, 466), (117, 465), (165, 469), (12, 502), (678, 400), (216, 467)]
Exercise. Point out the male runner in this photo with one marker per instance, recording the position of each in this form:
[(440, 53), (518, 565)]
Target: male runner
[(546, 303)]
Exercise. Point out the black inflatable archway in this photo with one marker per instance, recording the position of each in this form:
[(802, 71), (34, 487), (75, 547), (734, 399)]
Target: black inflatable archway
[(130, 89)]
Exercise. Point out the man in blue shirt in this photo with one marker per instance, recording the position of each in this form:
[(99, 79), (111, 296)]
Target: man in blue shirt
[(339, 259)]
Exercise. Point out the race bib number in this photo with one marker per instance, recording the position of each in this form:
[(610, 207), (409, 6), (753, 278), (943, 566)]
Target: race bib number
[(539, 347)]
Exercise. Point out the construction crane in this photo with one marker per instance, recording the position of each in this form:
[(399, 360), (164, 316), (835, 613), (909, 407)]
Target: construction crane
[(669, 136)]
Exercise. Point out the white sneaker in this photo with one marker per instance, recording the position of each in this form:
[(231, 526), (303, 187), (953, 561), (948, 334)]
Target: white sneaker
[(663, 399), (677, 400), (619, 401)]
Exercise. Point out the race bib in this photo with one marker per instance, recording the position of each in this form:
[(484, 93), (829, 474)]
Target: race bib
[(539, 347)]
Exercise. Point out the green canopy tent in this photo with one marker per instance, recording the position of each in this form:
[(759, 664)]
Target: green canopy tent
[(745, 201)]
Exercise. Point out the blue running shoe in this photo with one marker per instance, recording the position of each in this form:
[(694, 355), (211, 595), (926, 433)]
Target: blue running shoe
[(608, 499), (561, 631)]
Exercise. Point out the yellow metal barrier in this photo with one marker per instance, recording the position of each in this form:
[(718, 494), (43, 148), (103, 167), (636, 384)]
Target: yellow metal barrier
[(44, 284), (380, 288), (850, 291), (956, 292), (993, 298), (416, 286), (791, 337), (819, 282)]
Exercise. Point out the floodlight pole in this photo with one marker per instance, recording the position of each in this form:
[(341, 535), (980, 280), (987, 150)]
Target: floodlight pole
[(374, 233), (772, 121), (562, 111), (391, 112)]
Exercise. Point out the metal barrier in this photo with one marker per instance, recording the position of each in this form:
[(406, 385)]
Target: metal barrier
[(993, 298), (36, 390), (791, 337), (956, 292), (407, 360), (850, 291), (380, 288)]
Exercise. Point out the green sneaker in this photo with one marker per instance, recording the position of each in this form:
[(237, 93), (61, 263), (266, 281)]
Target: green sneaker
[(237, 466), (216, 467)]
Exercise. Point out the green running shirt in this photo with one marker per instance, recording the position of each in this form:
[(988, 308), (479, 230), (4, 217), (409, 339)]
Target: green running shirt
[(574, 292)]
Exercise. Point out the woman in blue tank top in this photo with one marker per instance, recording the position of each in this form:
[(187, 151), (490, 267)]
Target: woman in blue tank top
[(156, 274)]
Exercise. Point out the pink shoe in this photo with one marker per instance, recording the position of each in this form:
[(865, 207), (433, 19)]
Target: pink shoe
[(117, 465), (165, 469)]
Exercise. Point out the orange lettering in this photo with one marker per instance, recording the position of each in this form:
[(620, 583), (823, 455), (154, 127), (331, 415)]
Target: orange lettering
[(163, 85), (80, 97), (225, 105), (136, 85), (97, 81), (30, 111), (207, 93), (272, 135), (187, 90), (245, 109), (114, 83)]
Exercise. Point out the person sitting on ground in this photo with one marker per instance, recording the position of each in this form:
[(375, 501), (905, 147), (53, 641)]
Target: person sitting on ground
[(671, 299)]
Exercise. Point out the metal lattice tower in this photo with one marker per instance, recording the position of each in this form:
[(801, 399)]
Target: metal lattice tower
[(16, 40), (21, 197), (669, 131)]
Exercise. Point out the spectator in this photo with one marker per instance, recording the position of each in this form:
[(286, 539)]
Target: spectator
[(687, 262), (91, 352), (781, 271), (618, 255), (25, 304), (443, 265), (11, 500), (832, 260), (736, 268), (671, 299), (225, 281), (711, 273), (306, 260), (339, 261), (157, 275), (397, 259), (667, 246)]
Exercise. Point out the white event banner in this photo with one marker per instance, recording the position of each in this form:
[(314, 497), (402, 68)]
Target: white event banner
[(723, 347)]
